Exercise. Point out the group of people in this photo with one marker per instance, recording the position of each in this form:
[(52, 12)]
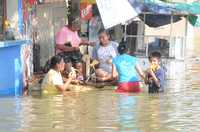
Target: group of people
[(129, 73), (114, 63)]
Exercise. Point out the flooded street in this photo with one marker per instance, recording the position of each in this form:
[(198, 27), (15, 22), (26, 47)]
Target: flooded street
[(177, 110)]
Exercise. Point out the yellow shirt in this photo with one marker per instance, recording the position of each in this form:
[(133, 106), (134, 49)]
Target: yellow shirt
[(51, 79)]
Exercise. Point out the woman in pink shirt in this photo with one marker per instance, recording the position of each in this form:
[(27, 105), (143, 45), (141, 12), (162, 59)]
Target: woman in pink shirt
[(67, 45)]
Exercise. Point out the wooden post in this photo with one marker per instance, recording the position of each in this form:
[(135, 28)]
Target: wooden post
[(172, 51), (185, 37)]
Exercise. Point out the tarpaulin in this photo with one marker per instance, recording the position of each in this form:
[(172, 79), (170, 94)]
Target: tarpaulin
[(192, 9), (161, 8), (194, 20), (161, 14), (159, 19), (114, 12)]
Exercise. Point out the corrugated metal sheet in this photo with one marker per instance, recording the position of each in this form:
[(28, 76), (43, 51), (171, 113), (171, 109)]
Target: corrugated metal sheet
[(50, 18)]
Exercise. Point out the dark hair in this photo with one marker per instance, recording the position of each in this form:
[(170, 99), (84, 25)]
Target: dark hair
[(74, 22), (104, 31), (55, 60), (155, 54), (122, 48)]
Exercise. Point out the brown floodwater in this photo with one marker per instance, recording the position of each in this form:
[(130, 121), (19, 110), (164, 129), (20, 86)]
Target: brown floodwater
[(102, 110)]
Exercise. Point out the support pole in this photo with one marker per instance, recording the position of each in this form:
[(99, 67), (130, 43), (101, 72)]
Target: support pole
[(125, 32), (147, 45), (171, 53)]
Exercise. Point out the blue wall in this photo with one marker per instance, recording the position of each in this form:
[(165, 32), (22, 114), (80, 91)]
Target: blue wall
[(11, 69)]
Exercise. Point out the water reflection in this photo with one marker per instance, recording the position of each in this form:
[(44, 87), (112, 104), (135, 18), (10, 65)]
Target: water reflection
[(10, 114), (127, 108)]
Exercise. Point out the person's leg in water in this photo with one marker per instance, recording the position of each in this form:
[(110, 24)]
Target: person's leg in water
[(103, 75)]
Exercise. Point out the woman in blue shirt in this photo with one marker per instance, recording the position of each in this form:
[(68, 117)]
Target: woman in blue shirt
[(126, 69)]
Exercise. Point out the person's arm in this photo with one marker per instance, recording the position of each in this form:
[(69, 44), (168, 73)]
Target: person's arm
[(81, 41), (113, 53), (63, 87), (155, 79), (114, 72), (146, 79), (139, 70), (66, 48), (86, 42)]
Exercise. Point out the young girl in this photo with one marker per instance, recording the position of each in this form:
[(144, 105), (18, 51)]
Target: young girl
[(126, 67), (53, 81)]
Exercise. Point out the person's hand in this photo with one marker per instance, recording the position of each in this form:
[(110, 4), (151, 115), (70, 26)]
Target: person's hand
[(92, 43), (94, 63), (149, 70), (85, 42), (72, 75)]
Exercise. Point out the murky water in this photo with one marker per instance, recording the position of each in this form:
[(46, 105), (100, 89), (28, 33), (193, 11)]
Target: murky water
[(177, 110)]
